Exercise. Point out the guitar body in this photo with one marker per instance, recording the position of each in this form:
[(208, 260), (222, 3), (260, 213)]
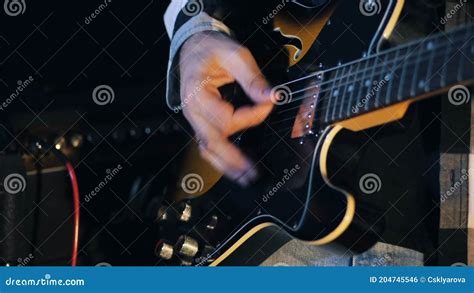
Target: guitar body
[(309, 186)]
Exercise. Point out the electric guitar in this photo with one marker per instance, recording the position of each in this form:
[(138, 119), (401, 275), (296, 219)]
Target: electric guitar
[(311, 144)]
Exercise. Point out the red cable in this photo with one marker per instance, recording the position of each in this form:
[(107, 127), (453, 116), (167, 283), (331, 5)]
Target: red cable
[(75, 190)]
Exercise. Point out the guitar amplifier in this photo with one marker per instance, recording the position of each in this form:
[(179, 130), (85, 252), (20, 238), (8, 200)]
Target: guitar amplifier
[(16, 219)]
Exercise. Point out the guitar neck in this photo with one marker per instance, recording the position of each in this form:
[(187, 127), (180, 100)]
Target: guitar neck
[(414, 69)]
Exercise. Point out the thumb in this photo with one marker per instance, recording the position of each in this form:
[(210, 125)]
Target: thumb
[(243, 67)]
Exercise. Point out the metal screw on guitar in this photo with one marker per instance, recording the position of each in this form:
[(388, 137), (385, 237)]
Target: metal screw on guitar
[(164, 250), (187, 246)]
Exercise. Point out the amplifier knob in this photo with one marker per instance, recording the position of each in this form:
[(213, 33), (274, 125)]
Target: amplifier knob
[(187, 246), (164, 250), (184, 212), (162, 214)]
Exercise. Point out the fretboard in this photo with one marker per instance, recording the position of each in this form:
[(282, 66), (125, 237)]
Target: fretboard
[(398, 74)]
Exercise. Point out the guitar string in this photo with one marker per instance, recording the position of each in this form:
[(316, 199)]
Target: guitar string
[(452, 42), (344, 104), (353, 81), (358, 82), (364, 71), (452, 38), (453, 33)]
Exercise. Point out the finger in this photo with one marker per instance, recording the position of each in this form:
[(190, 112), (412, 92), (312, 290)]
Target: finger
[(216, 111), (227, 157), (248, 116), (241, 64), (243, 177)]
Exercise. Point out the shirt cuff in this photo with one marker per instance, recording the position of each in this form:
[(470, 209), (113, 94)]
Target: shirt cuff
[(199, 23)]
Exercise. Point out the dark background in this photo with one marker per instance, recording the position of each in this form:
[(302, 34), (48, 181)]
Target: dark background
[(67, 56)]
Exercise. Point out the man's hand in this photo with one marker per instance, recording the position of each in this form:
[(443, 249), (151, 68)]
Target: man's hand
[(208, 61)]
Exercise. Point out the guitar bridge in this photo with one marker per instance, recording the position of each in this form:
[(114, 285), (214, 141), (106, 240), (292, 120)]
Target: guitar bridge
[(305, 118)]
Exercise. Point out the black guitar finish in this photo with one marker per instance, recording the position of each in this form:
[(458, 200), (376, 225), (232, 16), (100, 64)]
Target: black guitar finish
[(291, 191), (308, 188)]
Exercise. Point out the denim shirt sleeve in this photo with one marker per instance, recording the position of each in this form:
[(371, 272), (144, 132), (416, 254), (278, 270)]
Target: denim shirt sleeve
[(199, 23)]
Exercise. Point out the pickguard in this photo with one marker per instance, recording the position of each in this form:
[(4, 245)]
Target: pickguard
[(305, 31)]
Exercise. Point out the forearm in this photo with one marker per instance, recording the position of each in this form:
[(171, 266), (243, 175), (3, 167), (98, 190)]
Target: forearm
[(236, 18), (184, 19)]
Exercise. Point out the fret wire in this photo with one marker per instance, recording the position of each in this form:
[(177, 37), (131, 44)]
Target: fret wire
[(353, 90), (402, 80), (370, 85), (392, 77), (429, 71), (379, 91), (345, 89), (370, 81), (331, 93), (445, 67), (338, 91), (315, 117), (407, 96), (415, 72), (362, 82), (405, 57), (351, 64), (325, 108), (453, 33), (322, 98)]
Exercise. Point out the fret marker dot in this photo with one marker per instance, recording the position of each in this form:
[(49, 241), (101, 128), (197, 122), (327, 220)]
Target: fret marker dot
[(421, 84), (368, 82), (336, 92), (430, 46), (350, 88)]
